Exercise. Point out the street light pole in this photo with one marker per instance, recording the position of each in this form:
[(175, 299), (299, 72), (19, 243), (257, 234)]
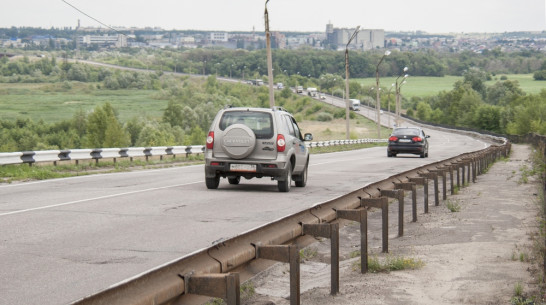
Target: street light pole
[(398, 94), (269, 58), (378, 101), (389, 104), (347, 81)]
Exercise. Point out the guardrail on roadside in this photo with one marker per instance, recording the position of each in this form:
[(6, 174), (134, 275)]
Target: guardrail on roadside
[(96, 154), (218, 270)]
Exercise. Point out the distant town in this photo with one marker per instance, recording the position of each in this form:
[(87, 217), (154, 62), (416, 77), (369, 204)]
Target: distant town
[(331, 39)]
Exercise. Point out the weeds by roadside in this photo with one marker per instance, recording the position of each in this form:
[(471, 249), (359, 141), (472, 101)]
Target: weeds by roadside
[(308, 253), (453, 206), (390, 263)]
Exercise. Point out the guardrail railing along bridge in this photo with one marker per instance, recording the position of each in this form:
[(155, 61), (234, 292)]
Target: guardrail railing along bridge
[(218, 271)]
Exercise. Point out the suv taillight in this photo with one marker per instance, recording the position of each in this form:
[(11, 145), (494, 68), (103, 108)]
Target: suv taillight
[(417, 139), (210, 140), (281, 143), (393, 139)]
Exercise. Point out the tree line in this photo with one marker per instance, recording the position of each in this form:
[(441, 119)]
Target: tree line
[(313, 63), (501, 108)]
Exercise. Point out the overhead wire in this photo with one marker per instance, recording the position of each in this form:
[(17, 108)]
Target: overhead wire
[(95, 19)]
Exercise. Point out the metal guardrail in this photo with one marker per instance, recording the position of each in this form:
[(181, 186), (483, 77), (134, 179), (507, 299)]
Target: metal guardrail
[(218, 270), (31, 157)]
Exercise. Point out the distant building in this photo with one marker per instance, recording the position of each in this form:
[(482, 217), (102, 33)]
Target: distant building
[(219, 36), (117, 41), (366, 39)]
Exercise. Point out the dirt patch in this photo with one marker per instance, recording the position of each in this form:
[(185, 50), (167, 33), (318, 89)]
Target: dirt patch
[(477, 251)]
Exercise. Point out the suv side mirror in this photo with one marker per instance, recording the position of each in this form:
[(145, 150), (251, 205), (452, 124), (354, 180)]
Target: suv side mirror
[(308, 137)]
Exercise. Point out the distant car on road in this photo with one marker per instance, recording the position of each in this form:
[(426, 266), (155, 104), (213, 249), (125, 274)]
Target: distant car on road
[(280, 86), (322, 96), (408, 140), (299, 89)]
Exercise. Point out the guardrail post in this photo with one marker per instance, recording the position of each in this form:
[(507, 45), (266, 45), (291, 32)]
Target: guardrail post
[(225, 286), (398, 194), (331, 231), (361, 216), (441, 172), (383, 204), (469, 163), (434, 176), (424, 182), (410, 186), (451, 182), (286, 254), (463, 173)]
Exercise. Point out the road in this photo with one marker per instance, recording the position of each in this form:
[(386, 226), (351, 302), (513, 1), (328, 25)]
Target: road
[(64, 239)]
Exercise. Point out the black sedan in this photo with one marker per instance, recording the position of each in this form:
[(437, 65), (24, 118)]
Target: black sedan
[(408, 140)]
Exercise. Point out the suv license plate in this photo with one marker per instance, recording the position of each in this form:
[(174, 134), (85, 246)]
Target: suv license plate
[(243, 167)]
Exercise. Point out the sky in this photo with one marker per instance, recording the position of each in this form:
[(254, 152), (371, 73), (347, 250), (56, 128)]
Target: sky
[(432, 16)]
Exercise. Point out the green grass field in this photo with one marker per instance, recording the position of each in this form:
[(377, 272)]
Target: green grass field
[(428, 86), (53, 103)]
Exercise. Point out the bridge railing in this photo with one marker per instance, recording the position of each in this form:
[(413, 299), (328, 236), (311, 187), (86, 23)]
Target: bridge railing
[(31, 157)]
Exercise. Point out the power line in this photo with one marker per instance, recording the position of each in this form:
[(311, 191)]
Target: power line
[(92, 17)]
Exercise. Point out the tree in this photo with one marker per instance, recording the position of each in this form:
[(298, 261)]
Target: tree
[(502, 93), (476, 78), (173, 114), (540, 75), (423, 111), (104, 129), (529, 115)]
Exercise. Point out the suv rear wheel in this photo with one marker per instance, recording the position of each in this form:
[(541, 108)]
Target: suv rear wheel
[(284, 186), (212, 183)]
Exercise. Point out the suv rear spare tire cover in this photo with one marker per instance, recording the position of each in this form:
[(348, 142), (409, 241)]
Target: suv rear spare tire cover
[(238, 141)]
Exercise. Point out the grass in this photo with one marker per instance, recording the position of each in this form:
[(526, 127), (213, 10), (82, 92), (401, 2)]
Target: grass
[(519, 298), (453, 206), (422, 86), (360, 128), (247, 290), (308, 253), (390, 263), (51, 103)]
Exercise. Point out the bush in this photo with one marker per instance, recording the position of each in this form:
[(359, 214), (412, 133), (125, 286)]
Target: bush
[(540, 75), (324, 117)]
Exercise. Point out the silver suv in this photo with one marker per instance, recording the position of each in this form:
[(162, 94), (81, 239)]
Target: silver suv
[(256, 143)]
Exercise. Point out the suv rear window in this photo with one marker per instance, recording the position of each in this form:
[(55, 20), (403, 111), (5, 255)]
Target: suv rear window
[(260, 122)]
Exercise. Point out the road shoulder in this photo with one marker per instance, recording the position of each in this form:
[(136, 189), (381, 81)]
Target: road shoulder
[(475, 255)]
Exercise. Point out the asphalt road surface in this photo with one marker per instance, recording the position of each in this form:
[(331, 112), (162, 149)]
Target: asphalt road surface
[(64, 239)]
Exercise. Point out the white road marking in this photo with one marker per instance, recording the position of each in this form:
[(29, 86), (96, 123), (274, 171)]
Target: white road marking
[(95, 198)]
